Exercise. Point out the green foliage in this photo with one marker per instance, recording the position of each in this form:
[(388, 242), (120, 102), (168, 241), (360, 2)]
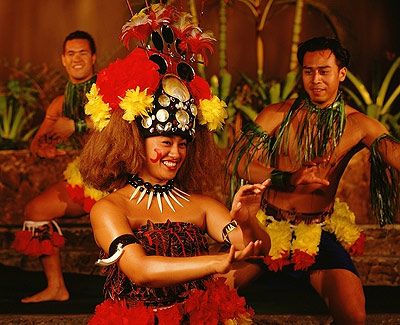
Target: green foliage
[(23, 97), (248, 98), (13, 115), (380, 105)]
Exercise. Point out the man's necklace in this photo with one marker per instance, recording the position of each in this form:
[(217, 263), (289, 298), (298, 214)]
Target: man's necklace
[(168, 192)]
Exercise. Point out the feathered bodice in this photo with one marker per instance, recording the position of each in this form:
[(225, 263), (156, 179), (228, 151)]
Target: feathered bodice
[(172, 239)]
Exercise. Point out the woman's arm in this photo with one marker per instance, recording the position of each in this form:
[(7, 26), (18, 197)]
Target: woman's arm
[(109, 222)]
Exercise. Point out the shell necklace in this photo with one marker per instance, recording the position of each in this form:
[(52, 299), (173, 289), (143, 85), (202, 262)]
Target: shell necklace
[(168, 192)]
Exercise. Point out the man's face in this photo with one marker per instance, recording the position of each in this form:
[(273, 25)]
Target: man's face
[(321, 77), (78, 60)]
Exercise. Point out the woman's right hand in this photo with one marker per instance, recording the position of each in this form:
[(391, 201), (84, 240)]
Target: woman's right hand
[(226, 261)]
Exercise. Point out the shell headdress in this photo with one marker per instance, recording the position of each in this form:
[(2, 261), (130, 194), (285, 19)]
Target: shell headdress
[(156, 84)]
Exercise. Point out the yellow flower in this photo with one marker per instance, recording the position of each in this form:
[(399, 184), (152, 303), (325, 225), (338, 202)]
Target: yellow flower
[(280, 234), (72, 174), (242, 319), (212, 112), (98, 111), (342, 224), (136, 103), (307, 238), (93, 193)]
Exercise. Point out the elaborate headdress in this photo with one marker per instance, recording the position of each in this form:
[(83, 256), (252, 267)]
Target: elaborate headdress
[(156, 84)]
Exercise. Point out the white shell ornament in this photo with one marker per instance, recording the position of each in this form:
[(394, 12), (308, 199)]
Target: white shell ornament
[(162, 115), (146, 122)]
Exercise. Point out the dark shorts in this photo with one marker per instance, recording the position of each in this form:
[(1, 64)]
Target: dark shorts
[(331, 255)]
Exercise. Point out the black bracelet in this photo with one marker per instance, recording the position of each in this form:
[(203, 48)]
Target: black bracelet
[(227, 229), (281, 180), (125, 239), (80, 126)]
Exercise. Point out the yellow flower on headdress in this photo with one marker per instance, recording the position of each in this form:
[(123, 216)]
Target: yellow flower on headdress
[(136, 103), (213, 113), (98, 111)]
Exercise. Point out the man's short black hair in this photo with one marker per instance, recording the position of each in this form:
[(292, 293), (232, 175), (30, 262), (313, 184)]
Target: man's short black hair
[(79, 34), (324, 43)]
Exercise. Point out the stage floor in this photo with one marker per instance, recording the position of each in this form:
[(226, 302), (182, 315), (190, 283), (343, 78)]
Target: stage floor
[(271, 294)]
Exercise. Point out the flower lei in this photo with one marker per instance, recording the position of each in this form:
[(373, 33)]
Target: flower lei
[(78, 190), (298, 244)]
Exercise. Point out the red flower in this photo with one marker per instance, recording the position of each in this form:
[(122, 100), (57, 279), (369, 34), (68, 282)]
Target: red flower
[(198, 44), (88, 203), (358, 247), (200, 89), (136, 70), (46, 247), (277, 264), (21, 241), (169, 316), (116, 312), (75, 192), (302, 260), (216, 304), (139, 32), (58, 240), (33, 248)]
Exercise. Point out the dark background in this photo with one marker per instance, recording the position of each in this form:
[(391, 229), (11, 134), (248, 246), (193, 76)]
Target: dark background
[(33, 31)]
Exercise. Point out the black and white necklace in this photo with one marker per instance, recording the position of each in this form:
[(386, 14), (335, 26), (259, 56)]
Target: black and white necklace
[(158, 191)]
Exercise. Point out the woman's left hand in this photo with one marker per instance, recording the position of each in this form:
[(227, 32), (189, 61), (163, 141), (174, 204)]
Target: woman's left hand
[(226, 261), (247, 200)]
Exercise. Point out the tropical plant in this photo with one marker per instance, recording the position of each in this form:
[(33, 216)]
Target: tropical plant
[(23, 98), (14, 118), (379, 105)]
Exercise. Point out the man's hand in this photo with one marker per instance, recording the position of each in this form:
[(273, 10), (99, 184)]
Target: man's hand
[(312, 173), (45, 147)]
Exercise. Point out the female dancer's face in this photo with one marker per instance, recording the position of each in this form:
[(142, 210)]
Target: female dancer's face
[(164, 156)]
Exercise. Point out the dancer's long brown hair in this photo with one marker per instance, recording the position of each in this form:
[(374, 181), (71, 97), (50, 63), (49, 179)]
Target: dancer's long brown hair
[(110, 156)]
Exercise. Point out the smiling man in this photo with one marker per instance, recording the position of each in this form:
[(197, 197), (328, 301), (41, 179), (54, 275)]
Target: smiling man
[(64, 125), (65, 116), (304, 146)]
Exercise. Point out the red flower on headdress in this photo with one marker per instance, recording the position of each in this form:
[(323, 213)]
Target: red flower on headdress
[(200, 89), (140, 26), (198, 42), (128, 73)]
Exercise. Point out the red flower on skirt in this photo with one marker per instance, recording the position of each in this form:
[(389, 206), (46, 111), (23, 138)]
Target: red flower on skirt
[(117, 313), (358, 247), (302, 260), (277, 264)]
